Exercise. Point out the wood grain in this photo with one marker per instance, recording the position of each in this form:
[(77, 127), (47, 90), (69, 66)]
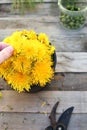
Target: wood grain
[(30, 121), (71, 62), (44, 18), (63, 40), (10, 1), (69, 82), (30, 111), (33, 102), (61, 82)]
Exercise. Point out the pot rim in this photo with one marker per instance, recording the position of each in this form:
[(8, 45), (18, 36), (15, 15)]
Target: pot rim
[(69, 11)]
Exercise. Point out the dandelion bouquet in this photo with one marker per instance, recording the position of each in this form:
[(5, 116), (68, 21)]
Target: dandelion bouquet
[(31, 63)]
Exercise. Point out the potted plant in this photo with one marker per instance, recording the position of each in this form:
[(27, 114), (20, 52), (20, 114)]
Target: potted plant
[(72, 13), (32, 65)]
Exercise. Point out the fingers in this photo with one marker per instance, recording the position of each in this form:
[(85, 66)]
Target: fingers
[(6, 53), (2, 45)]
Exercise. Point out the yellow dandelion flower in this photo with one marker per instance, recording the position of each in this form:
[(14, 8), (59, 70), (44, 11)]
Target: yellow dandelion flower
[(22, 64), (16, 44), (32, 34), (19, 81), (16, 35), (29, 34), (7, 40), (31, 62), (52, 49), (43, 38), (42, 72), (5, 68), (30, 49), (42, 51)]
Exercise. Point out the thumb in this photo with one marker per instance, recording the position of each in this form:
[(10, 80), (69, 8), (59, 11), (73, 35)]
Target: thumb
[(6, 53)]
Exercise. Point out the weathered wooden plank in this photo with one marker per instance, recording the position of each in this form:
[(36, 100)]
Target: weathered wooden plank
[(23, 21), (10, 1), (65, 41), (71, 62), (30, 121), (61, 42), (40, 8), (46, 17), (69, 82), (61, 81), (25, 102)]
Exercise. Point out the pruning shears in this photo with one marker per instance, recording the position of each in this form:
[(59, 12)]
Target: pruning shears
[(63, 120)]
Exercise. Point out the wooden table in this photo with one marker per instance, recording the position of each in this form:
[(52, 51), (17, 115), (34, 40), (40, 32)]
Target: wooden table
[(24, 111)]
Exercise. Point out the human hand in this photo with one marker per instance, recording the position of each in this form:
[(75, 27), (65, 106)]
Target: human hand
[(5, 51)]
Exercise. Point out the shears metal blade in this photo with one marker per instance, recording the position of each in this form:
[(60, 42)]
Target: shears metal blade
[(62, 122)]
